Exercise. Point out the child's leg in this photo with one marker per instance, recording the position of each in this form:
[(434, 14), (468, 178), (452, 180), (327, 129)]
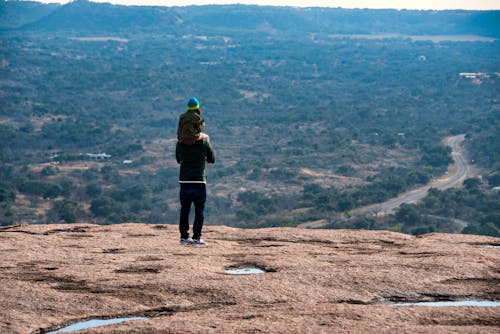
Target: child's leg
[(203, 136)]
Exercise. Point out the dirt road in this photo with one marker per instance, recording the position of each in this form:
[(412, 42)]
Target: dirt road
[(456, 174)]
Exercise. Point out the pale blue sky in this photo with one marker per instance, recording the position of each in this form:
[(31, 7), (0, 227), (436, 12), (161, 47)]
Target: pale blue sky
[(397, 4)]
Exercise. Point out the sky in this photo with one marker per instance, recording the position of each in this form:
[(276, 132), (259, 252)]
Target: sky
[(396, 4)]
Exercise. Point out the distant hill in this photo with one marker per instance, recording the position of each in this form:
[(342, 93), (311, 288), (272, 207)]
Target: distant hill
[(85, 16), (348, 21), (484, 23), (14, 14)]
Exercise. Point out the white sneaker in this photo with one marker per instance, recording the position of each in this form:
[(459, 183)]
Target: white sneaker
[(184, 241), (198, 242)]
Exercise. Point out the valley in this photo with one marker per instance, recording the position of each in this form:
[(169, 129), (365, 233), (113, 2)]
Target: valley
[(309, 121)]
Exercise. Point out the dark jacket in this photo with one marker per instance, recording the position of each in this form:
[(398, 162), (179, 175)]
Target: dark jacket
[(193, 159), (190, 126)]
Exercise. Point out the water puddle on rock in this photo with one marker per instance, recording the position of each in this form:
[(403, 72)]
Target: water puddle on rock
[(244, 271), (490, 246), (94, 323), (480, 303)]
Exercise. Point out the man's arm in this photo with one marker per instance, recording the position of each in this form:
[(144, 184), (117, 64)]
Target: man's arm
[(179, 128), (210, 153), (177, 156)]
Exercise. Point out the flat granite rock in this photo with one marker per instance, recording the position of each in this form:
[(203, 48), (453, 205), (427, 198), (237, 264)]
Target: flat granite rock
[(315, 281)]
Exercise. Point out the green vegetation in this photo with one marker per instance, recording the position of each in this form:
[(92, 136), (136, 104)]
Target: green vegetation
[(306, 124), (473, 209)]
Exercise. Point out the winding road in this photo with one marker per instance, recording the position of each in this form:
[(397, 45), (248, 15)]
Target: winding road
[(457, 173)]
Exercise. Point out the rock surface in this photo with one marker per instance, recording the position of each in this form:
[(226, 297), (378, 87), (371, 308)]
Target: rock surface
[(316, 281)]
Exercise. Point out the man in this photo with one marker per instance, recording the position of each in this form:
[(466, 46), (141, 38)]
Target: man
[(192, 178)]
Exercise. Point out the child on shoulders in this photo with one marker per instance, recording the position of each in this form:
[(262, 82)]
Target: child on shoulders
[(191, 124)]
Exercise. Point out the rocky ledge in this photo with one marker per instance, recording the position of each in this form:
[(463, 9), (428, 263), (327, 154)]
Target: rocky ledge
[(315, 281)]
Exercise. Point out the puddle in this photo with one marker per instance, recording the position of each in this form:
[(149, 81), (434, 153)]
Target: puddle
[(245, 271), (480, 303), (94, 323)]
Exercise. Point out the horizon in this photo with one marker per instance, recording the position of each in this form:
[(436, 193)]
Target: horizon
[(379, 4)]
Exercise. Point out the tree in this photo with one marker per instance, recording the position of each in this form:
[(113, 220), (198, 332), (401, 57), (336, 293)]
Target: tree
[(409, 216), (52, 191), (40, 188), (494, 179), (104, 206), (7, 194), (66, 211), (472, 183), (137, 192), (311, 192), (93, 189)]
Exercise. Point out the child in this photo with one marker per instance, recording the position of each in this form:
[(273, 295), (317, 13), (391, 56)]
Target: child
[(191, 124)]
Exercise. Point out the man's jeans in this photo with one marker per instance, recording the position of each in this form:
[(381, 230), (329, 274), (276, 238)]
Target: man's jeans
[(192, 193)]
